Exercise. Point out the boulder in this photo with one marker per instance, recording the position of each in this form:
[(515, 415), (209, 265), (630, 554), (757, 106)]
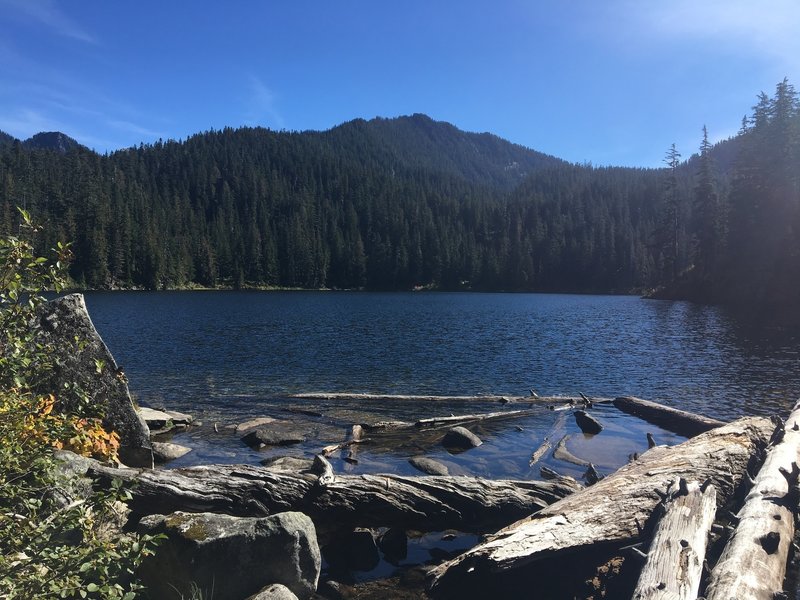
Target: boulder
[(272, 436), (165, 451), (276, 591), (163, 421), (252, 424), (428, 465), (353, 551), (233, 557), (460, 438), (394, 545), (88, 364)]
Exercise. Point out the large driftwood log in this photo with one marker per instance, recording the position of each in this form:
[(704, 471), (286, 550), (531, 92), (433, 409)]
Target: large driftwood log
[(544, 400), (453, 420), (753, 563), (420, 503), (672, 419), (611, 511), (674, 564)]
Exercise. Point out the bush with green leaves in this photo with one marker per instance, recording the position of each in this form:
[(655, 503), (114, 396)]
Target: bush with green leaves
[(57, 539)]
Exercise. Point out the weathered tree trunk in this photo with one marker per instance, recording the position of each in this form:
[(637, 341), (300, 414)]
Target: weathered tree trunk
[(611, 511), (672, 419), (674, 564), (543, 400), (420, 503), (753, 563), (452, 420)]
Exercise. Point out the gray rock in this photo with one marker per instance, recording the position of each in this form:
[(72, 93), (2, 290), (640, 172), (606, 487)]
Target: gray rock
[(460, 438), (293, 464), (89, 365), (353, 551), (252, 424), (428, 465), (163, 421), (276, 591), (233, 556), (165, 451), (272, 436)]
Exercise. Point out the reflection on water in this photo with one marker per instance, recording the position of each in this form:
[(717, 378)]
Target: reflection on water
[(225, 356)]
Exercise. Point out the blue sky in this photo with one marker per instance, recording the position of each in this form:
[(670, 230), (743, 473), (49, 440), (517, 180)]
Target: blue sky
[(612, 82)]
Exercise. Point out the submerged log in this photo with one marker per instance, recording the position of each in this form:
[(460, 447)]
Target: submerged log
[(674, 564), (753, 563), (547, 442), (432, 503), (672, 419), (612, 511), (561, 453)]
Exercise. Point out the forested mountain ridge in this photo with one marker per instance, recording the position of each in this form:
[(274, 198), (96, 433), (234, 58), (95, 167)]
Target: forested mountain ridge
[(352, 207), (408, 202), (417, 141)]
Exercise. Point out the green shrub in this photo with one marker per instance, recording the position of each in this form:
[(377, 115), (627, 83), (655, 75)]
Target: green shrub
[(55, 541)]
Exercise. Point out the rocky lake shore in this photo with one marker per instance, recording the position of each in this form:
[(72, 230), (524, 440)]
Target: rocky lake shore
[(317, 497)]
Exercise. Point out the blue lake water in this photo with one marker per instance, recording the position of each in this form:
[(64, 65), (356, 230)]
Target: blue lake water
[(227, 356)]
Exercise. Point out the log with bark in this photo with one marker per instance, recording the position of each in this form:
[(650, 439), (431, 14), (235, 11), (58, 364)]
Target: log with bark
[(435, 503), (753, 563), (610, 513), (671, 419), (674, 564)]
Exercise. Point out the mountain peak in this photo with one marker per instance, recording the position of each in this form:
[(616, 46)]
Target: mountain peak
[(52, 140)]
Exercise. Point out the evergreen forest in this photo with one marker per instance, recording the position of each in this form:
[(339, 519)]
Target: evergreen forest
[(412, 203)]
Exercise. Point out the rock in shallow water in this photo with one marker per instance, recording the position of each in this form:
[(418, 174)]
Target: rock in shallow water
[(353, 551), (460, 438), (428, 465), (165, 451), (272, 436)]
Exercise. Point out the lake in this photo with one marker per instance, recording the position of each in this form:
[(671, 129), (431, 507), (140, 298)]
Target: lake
[(228, 356)]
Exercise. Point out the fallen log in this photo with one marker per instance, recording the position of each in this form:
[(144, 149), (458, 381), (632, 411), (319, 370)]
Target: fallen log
[(561, 453), (587, 423), (452, 420), (611, 512), (672, 419), (753, 563), (347, 396), (547, 442), (420, 503), (427, 432), (674, 564)]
